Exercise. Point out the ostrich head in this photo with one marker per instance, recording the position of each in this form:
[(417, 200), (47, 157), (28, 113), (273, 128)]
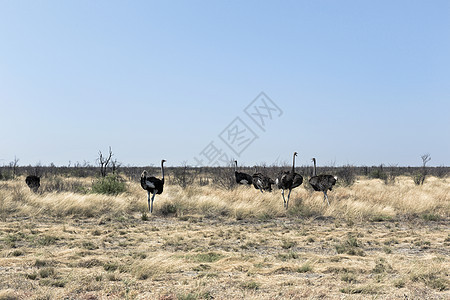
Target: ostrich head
[(144, 174), (293, 162), (313, 159)]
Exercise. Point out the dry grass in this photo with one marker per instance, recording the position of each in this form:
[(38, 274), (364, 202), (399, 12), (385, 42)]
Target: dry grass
[(365, 200), (374, 241)]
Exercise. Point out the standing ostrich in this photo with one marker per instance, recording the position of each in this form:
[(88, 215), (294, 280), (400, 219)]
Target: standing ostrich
[(242, 178), (33, 182), (322, 182), (289, 180), (262, 182), (152, 185)]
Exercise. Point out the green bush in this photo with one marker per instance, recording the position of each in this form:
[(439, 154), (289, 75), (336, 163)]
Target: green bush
[(379, 174), (110, 185)]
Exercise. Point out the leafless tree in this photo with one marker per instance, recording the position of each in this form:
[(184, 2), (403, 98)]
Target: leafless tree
[(425, 158), (115, 165), (104, 162), (223, 177), (184, 177), (393, 173), (14, 164), (419, 178)]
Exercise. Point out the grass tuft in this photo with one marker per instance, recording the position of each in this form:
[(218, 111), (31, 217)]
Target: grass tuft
[(363, 289), (207, 257), (250, 285), (350, 246), (304, 268)]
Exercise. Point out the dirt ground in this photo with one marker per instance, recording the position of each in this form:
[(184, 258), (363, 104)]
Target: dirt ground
[(193, 257)]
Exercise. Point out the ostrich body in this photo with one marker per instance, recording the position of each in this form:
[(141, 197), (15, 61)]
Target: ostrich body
[(242, 178), (262, 182), (33, 182), (289, 180), (152, 185), (322, 182)]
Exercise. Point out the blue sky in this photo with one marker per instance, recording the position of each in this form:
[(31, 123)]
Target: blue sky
[(358, 82)]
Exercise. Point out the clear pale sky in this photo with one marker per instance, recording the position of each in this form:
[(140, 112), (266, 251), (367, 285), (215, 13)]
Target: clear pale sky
[(356, 82)]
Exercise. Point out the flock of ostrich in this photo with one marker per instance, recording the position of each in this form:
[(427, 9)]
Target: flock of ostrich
[(286, 181)]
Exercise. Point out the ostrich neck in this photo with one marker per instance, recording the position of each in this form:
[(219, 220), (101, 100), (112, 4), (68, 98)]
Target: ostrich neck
[(314, 172), (162, 170), (235, 167), (293, 164)]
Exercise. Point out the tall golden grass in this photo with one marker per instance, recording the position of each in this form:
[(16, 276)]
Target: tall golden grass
[(367, 199)]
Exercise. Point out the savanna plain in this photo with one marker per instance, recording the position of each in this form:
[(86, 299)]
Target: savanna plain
[(375, 241)]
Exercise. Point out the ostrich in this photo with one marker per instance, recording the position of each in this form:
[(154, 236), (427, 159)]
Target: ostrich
[(289, 180), (152, 185), (262, 182), (33, 182), (242, 178), (322, 182)]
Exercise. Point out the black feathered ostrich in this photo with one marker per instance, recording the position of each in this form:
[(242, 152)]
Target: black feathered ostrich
[(262, 182), (322, 182), (242, 178), (33, 182), (289, 180), (152, 185)]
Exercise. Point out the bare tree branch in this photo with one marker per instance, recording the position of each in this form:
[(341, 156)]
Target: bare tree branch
[(104, 162)]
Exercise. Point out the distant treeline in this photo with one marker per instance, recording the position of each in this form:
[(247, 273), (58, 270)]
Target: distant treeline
[(346, 173)]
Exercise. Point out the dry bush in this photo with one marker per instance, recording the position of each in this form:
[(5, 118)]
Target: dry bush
[(184, 176), (346, 175), (61, 184), (223, 178)]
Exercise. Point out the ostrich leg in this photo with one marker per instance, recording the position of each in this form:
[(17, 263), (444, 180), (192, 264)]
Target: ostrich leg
[(289, 195), (284, 200), (148, 199), (326, 197), (153, 197)]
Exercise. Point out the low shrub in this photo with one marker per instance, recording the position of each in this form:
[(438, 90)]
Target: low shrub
[(346, 175), (109, 185), (378, 174)]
